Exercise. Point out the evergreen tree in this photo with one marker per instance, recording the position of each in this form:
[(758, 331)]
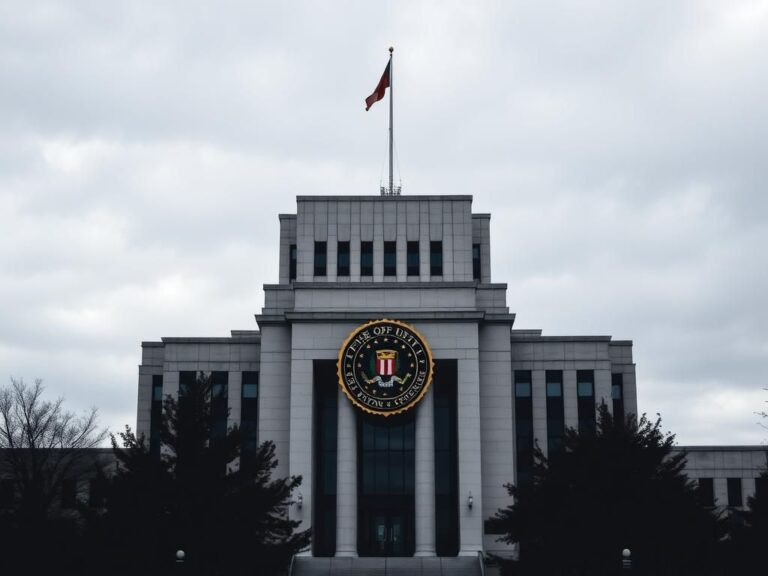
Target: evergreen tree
[(202, 494), (618, 487)]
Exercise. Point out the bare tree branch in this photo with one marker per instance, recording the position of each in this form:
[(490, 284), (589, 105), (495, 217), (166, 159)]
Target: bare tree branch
[(42, 442)]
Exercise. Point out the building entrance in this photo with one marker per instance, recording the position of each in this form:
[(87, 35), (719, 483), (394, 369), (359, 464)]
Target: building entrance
[(386, 477)]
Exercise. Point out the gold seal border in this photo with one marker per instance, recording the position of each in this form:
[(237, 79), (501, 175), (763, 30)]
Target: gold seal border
[(413, 402)]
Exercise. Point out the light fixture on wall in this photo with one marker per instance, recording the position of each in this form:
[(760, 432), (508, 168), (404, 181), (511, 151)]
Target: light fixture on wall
[(470, 500), (299, 501)]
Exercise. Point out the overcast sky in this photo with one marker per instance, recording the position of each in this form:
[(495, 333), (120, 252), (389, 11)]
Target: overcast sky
[(146, 149)]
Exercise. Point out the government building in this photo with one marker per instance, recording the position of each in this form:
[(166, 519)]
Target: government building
[(387, 370)]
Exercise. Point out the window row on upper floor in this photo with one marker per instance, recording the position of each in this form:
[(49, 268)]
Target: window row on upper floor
[(389, 250)]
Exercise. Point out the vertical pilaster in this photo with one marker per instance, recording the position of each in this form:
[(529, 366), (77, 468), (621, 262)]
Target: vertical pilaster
[(346, 480), (425, 477), (470, 458)]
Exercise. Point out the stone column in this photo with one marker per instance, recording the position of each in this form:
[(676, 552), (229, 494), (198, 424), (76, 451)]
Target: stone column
[(425, 477), (346, 480)]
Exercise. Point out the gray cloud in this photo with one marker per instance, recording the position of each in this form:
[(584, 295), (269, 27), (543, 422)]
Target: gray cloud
[(147, 149)]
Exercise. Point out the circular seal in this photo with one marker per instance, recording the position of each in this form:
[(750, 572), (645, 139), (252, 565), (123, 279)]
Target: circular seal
[(385, 367)]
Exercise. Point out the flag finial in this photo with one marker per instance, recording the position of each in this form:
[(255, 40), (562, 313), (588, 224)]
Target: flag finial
[(391, 49)]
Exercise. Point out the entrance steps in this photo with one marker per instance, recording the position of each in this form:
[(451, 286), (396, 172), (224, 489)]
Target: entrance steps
[(432, 566)]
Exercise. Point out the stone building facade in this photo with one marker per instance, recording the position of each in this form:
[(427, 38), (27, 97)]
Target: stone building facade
[(418, 484)]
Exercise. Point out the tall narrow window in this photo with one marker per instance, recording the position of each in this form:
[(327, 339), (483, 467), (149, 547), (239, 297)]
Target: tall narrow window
[(617, 395), (219, 404), (524, 427), (413, 258), (436, 258), (585, 392), (476, 261), (7, 495), (390, 258), (187, 381), (734, 492), (292, 262), (706, 491), (321, 258), (325, 440), (366, 258), (156, 414), (342, 259), (761, 487), (249, 413), (555, 412), (446, 458)]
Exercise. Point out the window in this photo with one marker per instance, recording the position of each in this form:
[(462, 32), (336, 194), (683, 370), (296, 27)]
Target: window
[(325, 424), (249, 412), (617, 395), (219, 404), (366, 258), (585, 392), (321, 258), (436, 258), (734, 492), (413, 259), (6, 493), (446, 458), (390, 258), (476, 261), (555, 411), (292, 262), (156, 414), (761, 486), (342, 259), (187, 381), (523, 426), (69, 493), (706, 491)]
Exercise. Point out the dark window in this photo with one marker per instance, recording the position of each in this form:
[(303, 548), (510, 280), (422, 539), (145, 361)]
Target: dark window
[(6, 493), (219, 404), (156, 414), (292, 262), (617, 394), (523, 427), (734, 492), (585, 392), (386, 478), (325, 439), (446, 458), (366, 258), (321, 258), (69, 493), (187, 381), (555, 411), (761, 487), (413, 258), (390, 258), (476, 261), (249, 412), (342, 259), (436, 258), (706, 491)]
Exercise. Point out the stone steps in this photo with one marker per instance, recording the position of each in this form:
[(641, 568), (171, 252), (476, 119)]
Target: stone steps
[(447, 566)]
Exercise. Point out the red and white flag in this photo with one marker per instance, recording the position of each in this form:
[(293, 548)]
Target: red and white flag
[(378, 94)]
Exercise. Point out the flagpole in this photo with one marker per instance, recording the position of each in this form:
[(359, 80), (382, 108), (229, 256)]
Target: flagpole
[(391, 89)]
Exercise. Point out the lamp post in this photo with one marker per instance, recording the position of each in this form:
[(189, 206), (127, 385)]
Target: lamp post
[(626, 559)]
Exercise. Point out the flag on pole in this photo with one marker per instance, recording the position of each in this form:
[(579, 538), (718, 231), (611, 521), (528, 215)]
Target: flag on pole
[(378, 94)]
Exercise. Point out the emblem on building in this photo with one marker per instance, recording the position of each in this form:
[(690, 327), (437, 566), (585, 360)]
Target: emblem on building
[(385, 367)]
